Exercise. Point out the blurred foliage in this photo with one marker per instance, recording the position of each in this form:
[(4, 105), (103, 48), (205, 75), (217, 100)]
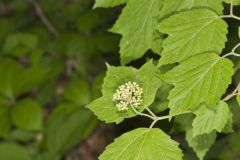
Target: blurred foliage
[(47, 78), (49, 75)]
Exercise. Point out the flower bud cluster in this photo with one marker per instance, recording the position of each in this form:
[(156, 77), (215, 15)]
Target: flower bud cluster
[(128, 95)]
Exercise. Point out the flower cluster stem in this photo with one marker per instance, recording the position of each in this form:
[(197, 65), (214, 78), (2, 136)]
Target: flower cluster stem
[(142, 114), (152, 116)]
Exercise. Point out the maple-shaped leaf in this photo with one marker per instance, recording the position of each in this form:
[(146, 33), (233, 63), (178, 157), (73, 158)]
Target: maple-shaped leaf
[(137, 25), (105, 108), (143, 144), (108, 3), (201, 143), (201, 78), (210, 119), (235, 2), (173, 6), (191, 33)]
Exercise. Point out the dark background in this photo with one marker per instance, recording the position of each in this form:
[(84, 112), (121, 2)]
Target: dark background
[(52, 63)]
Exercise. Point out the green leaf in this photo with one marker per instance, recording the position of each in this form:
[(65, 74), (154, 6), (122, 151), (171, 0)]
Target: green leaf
[(36, 56), (202, 78), (9, 71), (234, 143), (235, 2), (207, 33), (97, 85), (106, 42), (238, 98), (77, 92), (144, 144), (3, 100), (27, 83), (182, 123), (16, 81), (137, 25), (88, 21), (159, 106), (7, 27), (108, 3), (210, 119), (27, 114), (201, 143), (47, 92), (12, 151), (235, 110), (5, 121), (47, 156), (180, 5), (18, 5), (62, 108), (66, 129), (106, 109), (228, 128), (157, 42), (20, 44), (24, 136), (161, 103)]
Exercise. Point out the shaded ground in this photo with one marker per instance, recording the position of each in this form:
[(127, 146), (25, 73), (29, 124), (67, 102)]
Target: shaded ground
[(94, 145)]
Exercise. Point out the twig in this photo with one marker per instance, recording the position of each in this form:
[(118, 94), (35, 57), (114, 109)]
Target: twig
[(149, 111), (163, 117), (143, 114), (236, 47), (158, 119), (233, 52), (234, 93), (153, 116), (231, 8), (153, 123), (231, 15), (44, 18)]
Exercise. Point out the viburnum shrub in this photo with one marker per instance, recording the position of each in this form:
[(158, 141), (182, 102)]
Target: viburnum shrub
[(189, 36)]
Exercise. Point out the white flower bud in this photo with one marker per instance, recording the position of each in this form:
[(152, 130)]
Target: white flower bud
[(128, 95)]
